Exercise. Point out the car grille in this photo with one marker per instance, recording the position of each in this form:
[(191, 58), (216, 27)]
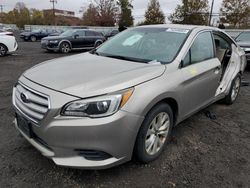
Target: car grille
[(32, 104)]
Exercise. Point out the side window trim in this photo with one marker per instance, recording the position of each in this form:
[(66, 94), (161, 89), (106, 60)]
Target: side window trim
[(190, 45)]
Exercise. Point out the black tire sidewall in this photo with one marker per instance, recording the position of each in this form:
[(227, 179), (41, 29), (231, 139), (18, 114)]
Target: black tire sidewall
[(60, 48), (6, 50), (228, 98), (34, 38), (140, 151), (98, 44)]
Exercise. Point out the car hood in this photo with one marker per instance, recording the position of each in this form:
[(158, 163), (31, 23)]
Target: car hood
[(27, 33), (87, 75), (244, 44)]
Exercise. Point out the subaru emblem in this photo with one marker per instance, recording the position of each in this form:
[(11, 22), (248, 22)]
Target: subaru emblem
[(24, 97)]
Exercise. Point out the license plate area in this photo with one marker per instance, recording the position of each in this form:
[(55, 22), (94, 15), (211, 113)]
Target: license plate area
[(24, 125)]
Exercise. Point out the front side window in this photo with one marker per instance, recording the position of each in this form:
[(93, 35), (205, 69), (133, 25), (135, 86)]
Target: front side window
[(80, 33), (202, 49), (67, 33), (145, 44)]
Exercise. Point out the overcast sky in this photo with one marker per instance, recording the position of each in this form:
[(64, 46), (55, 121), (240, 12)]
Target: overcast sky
[(140, 6)]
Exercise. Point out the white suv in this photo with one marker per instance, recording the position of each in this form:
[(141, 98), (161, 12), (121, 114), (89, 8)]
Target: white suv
[(8, 44)]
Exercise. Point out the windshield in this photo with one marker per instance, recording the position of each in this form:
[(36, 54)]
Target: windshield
[(67, 33), (36, 30), (245, 36), (145, 44)]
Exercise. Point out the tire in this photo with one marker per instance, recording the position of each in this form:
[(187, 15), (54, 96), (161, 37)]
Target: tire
[(33, 38), (3, 50), (234, 91), (65, 47), (156, 140), (98, 44)]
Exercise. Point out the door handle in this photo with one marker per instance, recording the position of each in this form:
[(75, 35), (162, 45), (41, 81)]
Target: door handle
[(217, 70)]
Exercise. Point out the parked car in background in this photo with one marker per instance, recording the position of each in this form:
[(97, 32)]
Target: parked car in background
[(56, 32), (3, 32), (111, 34), (34, 35), (73, 39), (243, 39), (96, 110), (8, 44)]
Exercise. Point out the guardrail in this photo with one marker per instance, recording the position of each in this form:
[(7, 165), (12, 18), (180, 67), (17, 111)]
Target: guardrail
[(232, 32), (12, 26), (64, 28)]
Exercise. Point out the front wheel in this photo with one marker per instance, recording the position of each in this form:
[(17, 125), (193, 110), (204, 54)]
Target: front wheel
[(154, 133), (234, 91), (65, 47), (3, 50), (33, 38)]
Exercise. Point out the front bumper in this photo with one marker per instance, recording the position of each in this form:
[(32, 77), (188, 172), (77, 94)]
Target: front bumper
[(49, 46), (65, 139), (24, 37)]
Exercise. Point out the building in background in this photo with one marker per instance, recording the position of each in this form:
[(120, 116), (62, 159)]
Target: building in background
[(63, 17), (58, 12)]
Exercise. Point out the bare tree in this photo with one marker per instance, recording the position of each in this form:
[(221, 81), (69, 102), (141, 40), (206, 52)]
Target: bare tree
[(235, 12)]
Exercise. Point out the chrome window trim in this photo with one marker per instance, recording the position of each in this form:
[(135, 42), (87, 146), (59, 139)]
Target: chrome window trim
[(37, 123)]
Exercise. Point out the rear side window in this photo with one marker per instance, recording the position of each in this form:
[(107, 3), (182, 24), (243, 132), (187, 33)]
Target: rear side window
[(90, 33), (202, 49)]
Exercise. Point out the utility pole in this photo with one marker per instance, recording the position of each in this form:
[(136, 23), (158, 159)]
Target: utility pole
[(54, 16), (1, 8), (1, 12), (211, 13)]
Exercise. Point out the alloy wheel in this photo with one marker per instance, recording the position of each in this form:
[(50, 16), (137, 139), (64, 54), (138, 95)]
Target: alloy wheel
[(157, 133), (65, 48), (236, 89), (33, 38)]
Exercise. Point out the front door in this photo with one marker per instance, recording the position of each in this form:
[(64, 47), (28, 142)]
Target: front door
[(200, 73), (78, 39)]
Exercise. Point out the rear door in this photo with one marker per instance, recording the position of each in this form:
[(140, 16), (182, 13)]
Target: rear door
[(231, 61), (200, 73), (90, 38)]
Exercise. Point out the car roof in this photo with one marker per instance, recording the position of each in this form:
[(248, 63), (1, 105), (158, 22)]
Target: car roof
[(84, 30), (181, 26)]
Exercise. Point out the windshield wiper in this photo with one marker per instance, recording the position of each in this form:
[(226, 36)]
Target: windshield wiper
[(127, 58), (94, 52)]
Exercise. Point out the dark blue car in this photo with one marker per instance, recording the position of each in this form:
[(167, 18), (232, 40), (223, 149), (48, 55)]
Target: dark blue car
[(35, 35)]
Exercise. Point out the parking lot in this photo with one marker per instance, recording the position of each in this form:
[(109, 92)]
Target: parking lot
[(204, 152)]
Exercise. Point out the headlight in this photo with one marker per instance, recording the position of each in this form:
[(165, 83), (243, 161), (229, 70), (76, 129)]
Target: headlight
[(53, 41), (98, 106)]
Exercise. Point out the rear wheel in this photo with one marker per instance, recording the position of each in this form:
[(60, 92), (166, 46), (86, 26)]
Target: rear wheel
[(98, 44), (3, 50), (33, 38), (234, 90), (154, 133), (65, 47)]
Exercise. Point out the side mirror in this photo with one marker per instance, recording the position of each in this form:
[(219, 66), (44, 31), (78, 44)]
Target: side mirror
[(181, 64), (76, 36)]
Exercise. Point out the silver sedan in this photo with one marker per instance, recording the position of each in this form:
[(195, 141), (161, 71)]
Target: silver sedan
[(97, 109)]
